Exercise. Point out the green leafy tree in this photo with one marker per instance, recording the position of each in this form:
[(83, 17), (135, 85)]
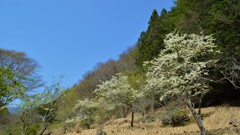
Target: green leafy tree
[(29, 115), (24, 67), (17, 75), (10, 88), (47, 109), (181, 70)]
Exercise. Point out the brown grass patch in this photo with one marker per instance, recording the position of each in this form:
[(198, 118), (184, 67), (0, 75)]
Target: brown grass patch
[(216, 121)]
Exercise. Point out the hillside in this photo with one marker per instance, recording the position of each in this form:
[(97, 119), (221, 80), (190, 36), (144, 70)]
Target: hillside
[(216, 120), (182, 77), (203, 60)]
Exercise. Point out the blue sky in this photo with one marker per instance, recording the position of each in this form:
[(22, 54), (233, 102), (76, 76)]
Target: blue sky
[(68, 37)]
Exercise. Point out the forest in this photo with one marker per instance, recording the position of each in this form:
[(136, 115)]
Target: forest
[(186, 61)]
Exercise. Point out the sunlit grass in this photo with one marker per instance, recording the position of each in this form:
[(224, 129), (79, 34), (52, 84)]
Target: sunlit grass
[(216, 120)]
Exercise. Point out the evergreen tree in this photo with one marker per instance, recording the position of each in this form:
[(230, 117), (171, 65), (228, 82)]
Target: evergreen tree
[(150, 42)]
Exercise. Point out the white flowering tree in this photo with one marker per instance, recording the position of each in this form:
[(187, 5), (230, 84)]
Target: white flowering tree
[(88, 111), (181, 70), (118, 92)]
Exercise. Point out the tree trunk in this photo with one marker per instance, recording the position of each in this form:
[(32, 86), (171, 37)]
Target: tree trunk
[(200, 104), (43, 129), (152, 102), (199, 107), (197, 118), (132, 117), (24, 130), (125, 112)]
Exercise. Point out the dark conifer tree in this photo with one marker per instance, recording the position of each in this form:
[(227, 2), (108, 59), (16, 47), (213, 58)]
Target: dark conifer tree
[(150, 42)]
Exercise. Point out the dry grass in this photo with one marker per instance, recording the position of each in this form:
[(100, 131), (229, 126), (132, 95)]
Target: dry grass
[(216, 120)]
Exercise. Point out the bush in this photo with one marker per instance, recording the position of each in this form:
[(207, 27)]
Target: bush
[(175, 117), (147, 119), (100, 132), (86, 124), (13, 129), (33, 129)]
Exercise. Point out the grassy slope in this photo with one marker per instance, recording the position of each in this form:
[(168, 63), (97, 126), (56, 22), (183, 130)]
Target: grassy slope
[(216, 121)]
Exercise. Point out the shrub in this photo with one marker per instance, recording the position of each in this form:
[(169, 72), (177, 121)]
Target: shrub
[(175, 117), (100, 132), (13, 129), (147, 119), (33, 129), (86, 123)]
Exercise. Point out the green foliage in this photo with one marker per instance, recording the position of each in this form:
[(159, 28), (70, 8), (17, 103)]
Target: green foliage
[(17, 75), (148, 119), (14, 130), (33, 129), (39, 108), (223, 23), (22, 67), (17, 129), (150, 42), (10, 88), (174, 114), (175, 117), (137, 79), (65, 103)]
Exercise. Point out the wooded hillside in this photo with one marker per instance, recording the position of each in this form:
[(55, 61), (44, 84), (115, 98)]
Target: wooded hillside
[(189, 57)]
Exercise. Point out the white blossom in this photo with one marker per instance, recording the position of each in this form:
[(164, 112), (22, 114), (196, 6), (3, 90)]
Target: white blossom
[(180, 67), (118, 92)]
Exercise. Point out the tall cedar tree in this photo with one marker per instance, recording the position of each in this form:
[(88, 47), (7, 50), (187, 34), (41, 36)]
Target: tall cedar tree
[(150, 42)]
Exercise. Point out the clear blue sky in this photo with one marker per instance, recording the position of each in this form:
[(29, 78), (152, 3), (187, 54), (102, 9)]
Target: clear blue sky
[(68, 37)]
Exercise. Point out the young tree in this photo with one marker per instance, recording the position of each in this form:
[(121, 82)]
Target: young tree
[(118, 93), (47, 110), (29, 115), (137, 81), (40, 108), (181, 68)]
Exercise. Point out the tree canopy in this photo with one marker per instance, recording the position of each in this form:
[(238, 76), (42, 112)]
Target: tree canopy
[(181, 69), (18, 73)]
